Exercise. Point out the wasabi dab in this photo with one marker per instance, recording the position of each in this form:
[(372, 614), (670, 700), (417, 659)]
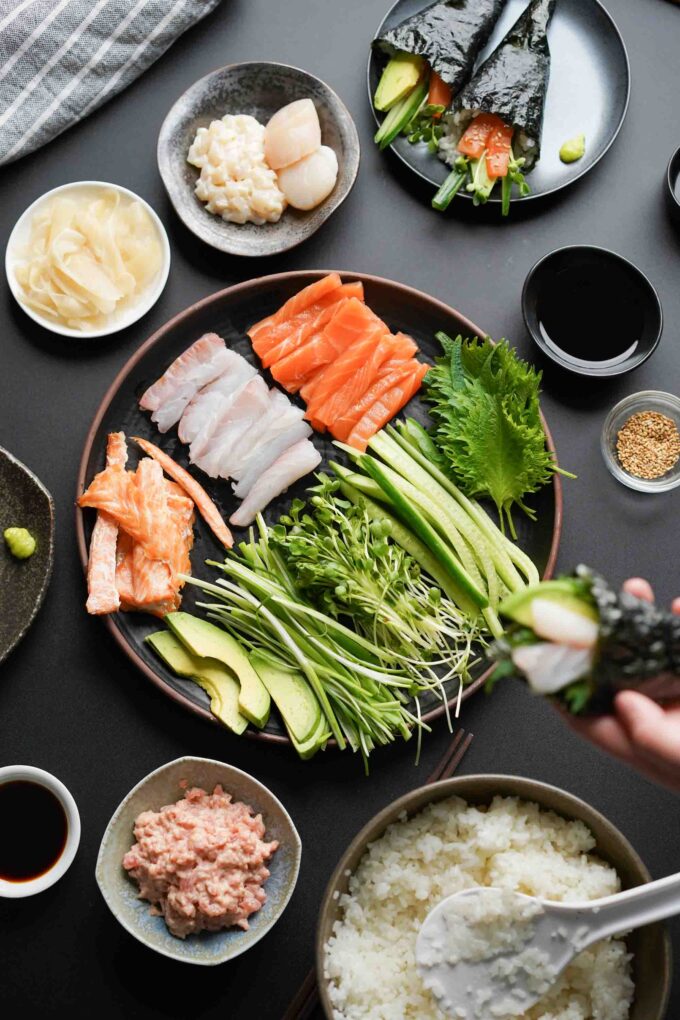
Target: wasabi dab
[(573, 150), (20, 542)]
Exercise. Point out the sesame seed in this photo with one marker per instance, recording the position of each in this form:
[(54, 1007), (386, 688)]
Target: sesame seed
[(648, 444)]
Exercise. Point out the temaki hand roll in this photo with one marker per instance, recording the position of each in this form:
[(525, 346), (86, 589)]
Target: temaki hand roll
[(432, 55), (577, 640), (495, 130)]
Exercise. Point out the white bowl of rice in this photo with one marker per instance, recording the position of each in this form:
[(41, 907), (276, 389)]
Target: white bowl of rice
[(501, 831)]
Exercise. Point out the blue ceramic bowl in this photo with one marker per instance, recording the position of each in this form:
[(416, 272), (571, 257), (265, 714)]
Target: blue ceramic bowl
[(162, 787)]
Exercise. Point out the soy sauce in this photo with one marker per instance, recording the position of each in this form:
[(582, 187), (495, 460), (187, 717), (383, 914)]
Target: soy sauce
[(34, 829), (591, 314)]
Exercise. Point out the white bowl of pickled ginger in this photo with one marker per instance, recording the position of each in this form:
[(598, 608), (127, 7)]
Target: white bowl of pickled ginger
[(87, 259)]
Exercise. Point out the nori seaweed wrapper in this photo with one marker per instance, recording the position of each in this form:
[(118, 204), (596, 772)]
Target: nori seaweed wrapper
[(449, 35), (513, 81), (638, 648)]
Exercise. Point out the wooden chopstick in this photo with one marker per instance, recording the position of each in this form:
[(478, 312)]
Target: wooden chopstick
[(307, 996)]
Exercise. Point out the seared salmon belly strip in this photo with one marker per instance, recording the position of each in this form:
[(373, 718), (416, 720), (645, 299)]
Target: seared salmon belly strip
[(102, 593)]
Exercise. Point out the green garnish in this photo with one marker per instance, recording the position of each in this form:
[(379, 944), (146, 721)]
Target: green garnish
[(484, 401), (573, 149), (20, 542), (426, 126)]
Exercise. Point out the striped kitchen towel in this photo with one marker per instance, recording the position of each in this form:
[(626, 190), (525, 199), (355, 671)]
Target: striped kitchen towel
[(61, 59)]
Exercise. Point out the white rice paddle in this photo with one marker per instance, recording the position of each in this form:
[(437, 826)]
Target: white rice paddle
[(483, 969)]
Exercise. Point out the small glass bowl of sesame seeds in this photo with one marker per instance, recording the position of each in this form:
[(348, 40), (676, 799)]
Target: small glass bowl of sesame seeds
[(641, 441)]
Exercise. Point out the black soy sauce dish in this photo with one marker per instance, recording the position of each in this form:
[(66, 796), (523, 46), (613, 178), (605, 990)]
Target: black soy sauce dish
[(591, 311), (673, 186)]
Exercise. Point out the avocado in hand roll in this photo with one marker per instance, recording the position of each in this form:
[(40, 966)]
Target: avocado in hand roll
[(494, 132), (431, 56), (577, 640)]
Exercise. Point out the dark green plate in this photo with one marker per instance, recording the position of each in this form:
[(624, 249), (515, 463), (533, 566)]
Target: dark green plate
[(24, 503)]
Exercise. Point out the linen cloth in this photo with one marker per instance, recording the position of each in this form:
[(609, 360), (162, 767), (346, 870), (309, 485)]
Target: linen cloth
[(61, 59)]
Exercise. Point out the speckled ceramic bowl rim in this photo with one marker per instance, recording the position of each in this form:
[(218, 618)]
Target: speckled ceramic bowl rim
[(630, 364), (102, 863), (460, 786), (305, 276), (334, 207), (50, 553), (151, 296)]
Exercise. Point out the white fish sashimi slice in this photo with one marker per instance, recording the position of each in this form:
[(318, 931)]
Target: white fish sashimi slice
[(280, 412), (310, 181), (204, 361), (548, 667), (292, 133), (298, 460), (267, 453), (250, 447), (249, 405), (561, 625), (208, 400)]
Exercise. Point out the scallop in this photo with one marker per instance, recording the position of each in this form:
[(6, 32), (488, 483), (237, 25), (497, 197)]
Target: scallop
[(309, 181), (292, 133)]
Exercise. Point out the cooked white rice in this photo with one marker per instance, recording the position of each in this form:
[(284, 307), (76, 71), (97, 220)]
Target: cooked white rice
[(447, 847)]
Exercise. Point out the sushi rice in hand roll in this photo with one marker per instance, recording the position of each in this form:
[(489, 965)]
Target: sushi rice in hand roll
[(579, 641), (494, 132)]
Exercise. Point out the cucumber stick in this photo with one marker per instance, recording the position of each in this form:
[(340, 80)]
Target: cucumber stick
[(413, 518), (401, 115)]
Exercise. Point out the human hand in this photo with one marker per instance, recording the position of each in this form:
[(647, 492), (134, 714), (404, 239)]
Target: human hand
[(640, 732)]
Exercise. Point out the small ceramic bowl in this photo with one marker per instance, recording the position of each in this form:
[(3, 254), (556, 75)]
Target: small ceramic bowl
[(650, 946), (590, 260), (118, 319), (24, 503), (673, 186), (647, 400), (258, 89), (30, 774), (163, 787)]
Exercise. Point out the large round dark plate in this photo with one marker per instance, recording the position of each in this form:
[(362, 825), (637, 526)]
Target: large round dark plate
[(24, 503), (588, 91), (230, 312)]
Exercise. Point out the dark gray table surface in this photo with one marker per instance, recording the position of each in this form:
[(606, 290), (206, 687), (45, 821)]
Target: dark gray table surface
[(71, 703)]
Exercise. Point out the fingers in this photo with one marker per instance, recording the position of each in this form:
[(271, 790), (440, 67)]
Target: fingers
[(639, 588), (675, 606), (607, 733), (649, 729)]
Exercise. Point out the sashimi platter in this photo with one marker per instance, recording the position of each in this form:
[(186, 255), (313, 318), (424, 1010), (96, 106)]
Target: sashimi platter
[(274, 529)]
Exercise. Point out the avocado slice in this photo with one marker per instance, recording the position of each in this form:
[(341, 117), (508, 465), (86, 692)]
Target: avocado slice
[(308, 748), (401, 74), (292, 696), (215, 679), (400, 115), (565, 592), (204, 639)]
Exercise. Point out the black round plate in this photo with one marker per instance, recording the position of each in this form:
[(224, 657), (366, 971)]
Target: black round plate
[(24, 503), (229, 313), (588, 92)]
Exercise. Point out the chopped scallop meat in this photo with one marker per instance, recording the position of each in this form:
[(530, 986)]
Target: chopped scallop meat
[(297, 461), (310, 181), (203, 362), (562, 625), (292, 133), (548, 667), (202, 406)]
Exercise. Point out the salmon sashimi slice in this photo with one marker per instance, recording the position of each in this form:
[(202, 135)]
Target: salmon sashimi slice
[(391, 373), (293, 306), (193, 489), (351, 321), (344, 366), (102, 593), (385, 408), (360, 377), (199, 365), (288, 336)]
